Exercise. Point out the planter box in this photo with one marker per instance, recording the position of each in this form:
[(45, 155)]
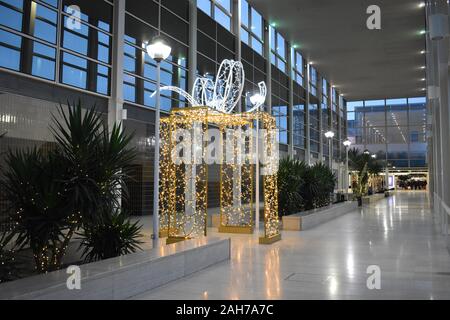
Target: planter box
[(309, 219), (126, 276), (372, 199), (214, 216), (214, 220)]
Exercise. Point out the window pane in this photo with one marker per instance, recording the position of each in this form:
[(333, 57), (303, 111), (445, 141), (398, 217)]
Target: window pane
[(281, 65), (281, 50), (45, 31), (272, 38), (226, 4), (53, 3), (205, 6), (15, 3), (102, 85), (257, 24), (222, 18), (43, 61), (9, 57), (45, 13), (129, 88), (103, 54), (244, 13), (10, 18), (257, 46), (244, 36), (74, 74), (43, 68), (299, 62)]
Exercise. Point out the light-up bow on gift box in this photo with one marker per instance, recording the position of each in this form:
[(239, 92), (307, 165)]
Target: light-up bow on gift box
[(223, 94)]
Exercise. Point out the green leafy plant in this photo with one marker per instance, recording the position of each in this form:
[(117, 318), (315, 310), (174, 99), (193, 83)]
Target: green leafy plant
[(11, 265), (74, 184), (364, 167), (290, 180), (318, 187), (302, 187), (115, 237), (40, 213)]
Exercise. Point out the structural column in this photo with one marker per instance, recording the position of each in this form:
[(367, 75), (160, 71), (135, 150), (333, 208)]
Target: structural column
[(192, 55), (321, 129), (308, 121), (291, 103), (330, 124), (115, 105), (268, 67), (237, 28), (444, 120)]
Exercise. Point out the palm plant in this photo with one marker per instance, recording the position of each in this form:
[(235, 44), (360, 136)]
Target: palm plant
[(365, 167), (75, 184), (115, 237), (290, 180)]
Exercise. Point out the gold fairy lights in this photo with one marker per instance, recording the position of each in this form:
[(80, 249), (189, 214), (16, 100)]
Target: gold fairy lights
[(184, 186)]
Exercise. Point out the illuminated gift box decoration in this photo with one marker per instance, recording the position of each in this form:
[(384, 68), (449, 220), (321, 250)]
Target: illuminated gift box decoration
[(186, 138)]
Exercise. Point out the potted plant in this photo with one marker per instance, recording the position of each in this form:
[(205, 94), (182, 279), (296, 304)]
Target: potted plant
[(359, 163)]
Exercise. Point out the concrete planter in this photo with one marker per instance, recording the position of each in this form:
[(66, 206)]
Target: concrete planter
[(309, 219), (123, 277), (372, 199)]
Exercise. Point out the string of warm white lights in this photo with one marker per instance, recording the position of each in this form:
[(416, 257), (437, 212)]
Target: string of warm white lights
[(184, 186)]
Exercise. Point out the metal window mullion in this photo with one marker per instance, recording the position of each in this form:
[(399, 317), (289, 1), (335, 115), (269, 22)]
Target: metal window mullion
[(59, 29), (28, 20), (89, 25), (79, 55)]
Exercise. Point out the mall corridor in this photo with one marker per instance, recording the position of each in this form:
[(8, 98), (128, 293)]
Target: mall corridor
[(330, 261)]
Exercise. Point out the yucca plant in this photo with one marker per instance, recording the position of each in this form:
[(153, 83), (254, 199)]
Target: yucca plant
[(115, 237), (40, 213), (290, 180), (11, 264), (97, 160), (74, 184)]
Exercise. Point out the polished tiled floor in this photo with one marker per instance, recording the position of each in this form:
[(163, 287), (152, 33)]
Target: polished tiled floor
[(331, 260)]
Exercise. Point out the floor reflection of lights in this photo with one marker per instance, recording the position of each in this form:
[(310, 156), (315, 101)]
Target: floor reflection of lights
[(331, 260), (272, 274)]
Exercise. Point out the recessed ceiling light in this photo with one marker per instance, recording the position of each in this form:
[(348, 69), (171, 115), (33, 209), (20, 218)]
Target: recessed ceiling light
[(423, 52), (422, 32), (424, 89), (422, 67), (422, 4), (423, 79)]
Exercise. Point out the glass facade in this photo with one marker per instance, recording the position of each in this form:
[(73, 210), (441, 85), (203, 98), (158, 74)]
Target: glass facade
[(40, 38), (252, 30), (278, 49), (393, 129), (55, 53), (140, 69), (219, 10)]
